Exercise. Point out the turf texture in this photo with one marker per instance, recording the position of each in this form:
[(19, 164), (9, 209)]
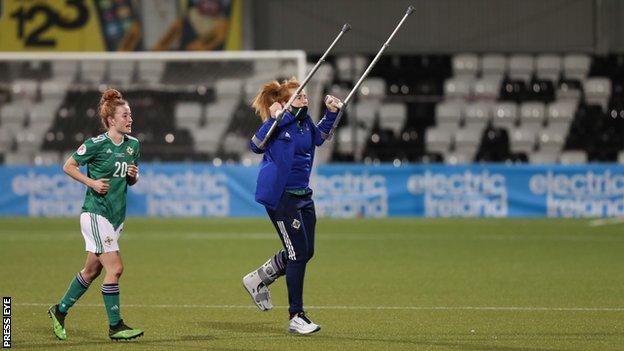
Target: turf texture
[(374, 284)]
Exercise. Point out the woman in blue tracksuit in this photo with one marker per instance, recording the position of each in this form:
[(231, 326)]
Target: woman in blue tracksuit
[(283, 188)]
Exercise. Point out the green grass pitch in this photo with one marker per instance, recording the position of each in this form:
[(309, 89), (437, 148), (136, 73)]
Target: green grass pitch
[(387, 284)]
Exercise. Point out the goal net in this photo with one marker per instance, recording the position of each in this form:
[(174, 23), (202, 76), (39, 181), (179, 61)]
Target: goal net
[(186, 106)]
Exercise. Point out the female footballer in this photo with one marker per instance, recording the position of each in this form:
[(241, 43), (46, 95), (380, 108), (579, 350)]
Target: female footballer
[(112, 165), (283, 188)]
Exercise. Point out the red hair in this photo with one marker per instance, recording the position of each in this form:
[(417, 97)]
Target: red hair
[(270, 93), (109, 102)]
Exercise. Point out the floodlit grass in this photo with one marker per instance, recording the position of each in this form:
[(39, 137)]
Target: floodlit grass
[(392, 284)]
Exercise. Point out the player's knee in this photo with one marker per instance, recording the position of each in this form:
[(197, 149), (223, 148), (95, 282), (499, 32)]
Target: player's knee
[(119, 271), (115, 271), (310, 254)]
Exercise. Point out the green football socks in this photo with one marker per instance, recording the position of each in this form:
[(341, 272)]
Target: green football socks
[(77, 288)]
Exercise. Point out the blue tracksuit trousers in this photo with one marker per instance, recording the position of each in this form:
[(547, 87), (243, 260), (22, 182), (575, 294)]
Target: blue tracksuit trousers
[(295, 221)]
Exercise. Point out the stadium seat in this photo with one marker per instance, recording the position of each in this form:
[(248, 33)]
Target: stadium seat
[(121, 72), (151, 72), (457, 88), (28, 141), (18, 158), (521, 67), (457, 158), (13, 116), (532, 115), (543, 157), (437, 140), (486, 88), (41, 119), (235, 144), (208, 139), (229, 88), (505, 114), (598, 91), (372, 89), (548, 67), (53, 90), (351, 142), (467, 141), (48, 158), (221, 111), (448, 114), (551, 140), (268, 67), (576, 66), (392, 116), (25, 90), (465, 65), (493, 67), (477, 115), (92, 71), (573, 157), (188, 115), (64, 70), (6, 140), (569, 89), (560, 114), (365, 113), (325, 73), (522, 140), (350, 67)]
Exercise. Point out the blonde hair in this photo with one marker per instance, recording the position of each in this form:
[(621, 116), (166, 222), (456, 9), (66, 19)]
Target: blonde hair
[(270, 93), (109, 101)]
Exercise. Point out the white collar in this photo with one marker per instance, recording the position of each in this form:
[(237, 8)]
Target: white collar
[(112, 141)]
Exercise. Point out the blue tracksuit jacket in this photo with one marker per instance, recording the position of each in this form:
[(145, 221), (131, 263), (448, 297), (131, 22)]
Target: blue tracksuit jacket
[(279, 153)]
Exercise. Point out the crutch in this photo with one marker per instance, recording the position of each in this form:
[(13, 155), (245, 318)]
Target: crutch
[(280, 114), (342, 106)]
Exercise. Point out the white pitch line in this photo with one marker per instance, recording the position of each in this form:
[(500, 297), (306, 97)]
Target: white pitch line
[(606, 221), (369, 308)]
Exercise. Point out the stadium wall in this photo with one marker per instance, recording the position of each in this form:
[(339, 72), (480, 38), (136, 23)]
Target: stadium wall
[(443, 26), (344, 191)]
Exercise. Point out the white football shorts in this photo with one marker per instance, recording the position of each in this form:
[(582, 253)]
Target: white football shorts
[(98, 233)]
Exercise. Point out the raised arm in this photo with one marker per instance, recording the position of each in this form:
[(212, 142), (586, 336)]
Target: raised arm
[(325, 124)]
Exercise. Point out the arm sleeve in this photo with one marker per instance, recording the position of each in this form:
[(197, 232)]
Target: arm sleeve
[(257, 138), (260, 135), (85, 152), (324, 127)]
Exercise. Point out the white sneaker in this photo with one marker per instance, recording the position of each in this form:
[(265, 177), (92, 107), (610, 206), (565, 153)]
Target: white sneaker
[(258, 291), (301, 324)]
